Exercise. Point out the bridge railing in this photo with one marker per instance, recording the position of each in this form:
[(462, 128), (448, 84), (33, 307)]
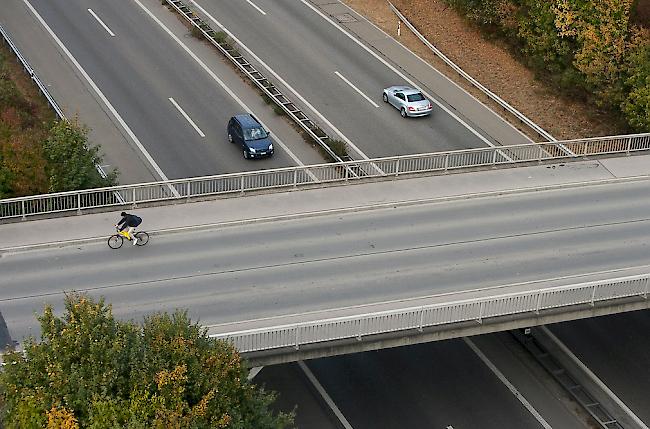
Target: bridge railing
[(412, 319), (292, 177)]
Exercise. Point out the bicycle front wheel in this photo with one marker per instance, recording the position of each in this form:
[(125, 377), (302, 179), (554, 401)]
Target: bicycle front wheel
[(115, 241), (143, 238)]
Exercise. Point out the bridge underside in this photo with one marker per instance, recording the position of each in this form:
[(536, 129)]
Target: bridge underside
[(457, 330)]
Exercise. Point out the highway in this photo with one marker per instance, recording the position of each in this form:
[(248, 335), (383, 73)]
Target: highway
[(616, 348), (176, 107), (350, 79)]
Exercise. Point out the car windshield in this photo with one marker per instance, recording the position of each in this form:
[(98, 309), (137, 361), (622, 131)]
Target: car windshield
[(415, 97), (255, 133)]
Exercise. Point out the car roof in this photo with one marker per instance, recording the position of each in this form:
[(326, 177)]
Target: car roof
[(247, 120), (405, 89)]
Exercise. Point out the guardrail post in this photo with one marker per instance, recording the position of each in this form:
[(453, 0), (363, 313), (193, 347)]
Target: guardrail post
[(584, 152), (295, 178), (538, 305), (494, 158), (188, 192), (133, 205), (446, 162), (241, 185), (541, 152), (421, 327), (297, 346), (397, 167), (645, 294), (480, 312), (78, 203)]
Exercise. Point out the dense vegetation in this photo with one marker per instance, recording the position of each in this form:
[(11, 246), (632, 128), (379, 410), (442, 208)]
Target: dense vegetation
[(38, 153), (92, 371), (596, 49)]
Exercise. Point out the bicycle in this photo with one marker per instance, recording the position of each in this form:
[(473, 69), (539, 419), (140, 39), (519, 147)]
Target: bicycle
[(116, 241)]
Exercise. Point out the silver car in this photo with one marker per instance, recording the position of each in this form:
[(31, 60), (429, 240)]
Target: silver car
[(409, 101)]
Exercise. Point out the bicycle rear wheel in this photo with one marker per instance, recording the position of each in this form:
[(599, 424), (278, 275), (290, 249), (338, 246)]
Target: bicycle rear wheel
[(143, 238), (115, 241)]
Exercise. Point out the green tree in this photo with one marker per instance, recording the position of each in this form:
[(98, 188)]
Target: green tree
[(71, 161), (92, 371)]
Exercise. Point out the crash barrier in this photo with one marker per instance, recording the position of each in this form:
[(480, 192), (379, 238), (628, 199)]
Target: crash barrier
[(522, 118), (440, 316), (221, 42), (30, 71), (294, 177)]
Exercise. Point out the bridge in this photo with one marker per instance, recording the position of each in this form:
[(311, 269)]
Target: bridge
[(369, 254)]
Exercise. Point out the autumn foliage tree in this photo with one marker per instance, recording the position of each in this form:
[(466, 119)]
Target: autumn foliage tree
[(589, 48), (92, 371)]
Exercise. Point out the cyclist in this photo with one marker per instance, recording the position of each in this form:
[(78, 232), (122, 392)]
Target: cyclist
[(129, 221)]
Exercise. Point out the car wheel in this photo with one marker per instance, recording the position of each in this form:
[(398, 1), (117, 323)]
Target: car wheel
[(403, 112), (230, 137), (385, 98), (246, 155)]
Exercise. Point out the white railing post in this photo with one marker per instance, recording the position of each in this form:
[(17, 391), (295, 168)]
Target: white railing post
[(297, 345), (494, 158), (629, 145), (397, 167), (78, 203), (188, 191), (241, 184), (645, 293), (133, 197), (541, 152), (295, 178), (22, 208), (593, 295), (446, 162), (421, 328), (538, 305), (480, 312)]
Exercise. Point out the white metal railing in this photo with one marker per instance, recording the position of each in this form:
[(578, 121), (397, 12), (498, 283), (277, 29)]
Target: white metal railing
[(437, 315), (293, 177)]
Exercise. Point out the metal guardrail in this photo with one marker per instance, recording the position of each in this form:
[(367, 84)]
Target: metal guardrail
[(438, 315), (264, 84), (294, 177), (523, 118), (32, 74), (30, 71)]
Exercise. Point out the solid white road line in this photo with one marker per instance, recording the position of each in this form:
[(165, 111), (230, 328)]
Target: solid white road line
[(253, 372), (328, 400), (215, 77), (507, 383), (256, 7), (281, 80), (186, 116), (356, 89), (396, 71), (101, 22), (593, 377), (100, 94)]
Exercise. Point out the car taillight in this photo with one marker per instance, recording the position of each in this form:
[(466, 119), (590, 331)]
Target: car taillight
[(411, 108)]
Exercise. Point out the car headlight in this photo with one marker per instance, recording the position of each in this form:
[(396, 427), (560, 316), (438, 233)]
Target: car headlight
[(251, 150), (271, 146)]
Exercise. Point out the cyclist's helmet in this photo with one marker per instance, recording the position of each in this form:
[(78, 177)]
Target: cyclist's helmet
[(123, 214)]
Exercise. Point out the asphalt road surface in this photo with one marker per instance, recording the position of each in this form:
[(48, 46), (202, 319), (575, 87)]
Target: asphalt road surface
[(284, 267), (616, 348), (337, 76)]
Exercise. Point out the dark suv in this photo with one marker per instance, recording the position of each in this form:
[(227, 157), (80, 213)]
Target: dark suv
[(250, 135)]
